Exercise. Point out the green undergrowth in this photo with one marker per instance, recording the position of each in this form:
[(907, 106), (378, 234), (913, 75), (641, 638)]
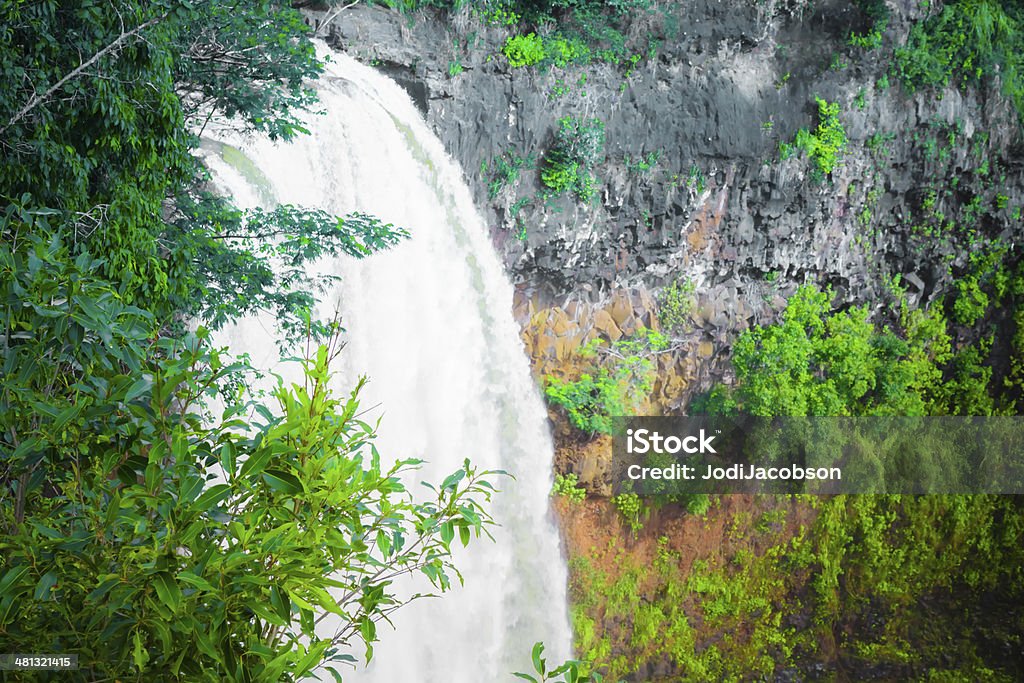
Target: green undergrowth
[(775, 595), (967, 43)]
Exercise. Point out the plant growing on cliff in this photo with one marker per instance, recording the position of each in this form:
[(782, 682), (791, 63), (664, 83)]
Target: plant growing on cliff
[(630, 507), (524, 50), (675, 304), (877, 13), (827, 142), (618, 387), (567, 486), (965, 43), (578, 146)]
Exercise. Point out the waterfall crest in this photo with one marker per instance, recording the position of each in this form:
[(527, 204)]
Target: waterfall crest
[(430, 323)]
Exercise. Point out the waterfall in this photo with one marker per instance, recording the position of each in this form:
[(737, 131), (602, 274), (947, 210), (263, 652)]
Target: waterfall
[(429, 322)]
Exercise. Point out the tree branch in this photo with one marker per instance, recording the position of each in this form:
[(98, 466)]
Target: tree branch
[(38, 99), (333, 16)]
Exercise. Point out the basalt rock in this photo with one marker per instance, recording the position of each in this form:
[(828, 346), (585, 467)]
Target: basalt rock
[(730, 81)]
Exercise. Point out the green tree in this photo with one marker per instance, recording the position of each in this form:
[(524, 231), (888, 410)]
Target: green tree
[(816, 361), (160, 541), (99, 125)]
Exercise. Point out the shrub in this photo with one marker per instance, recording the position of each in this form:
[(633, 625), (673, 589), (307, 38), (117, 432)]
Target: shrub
[(524, 50), (676, 304), (828, 141), (577, 147), (629, 506), (564, 51), (566, 485), (590, 402), (616, 389)]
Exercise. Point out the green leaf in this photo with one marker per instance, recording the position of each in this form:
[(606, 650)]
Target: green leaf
[(139, 654), (212, 496), (138, 388), (228, 455), (167, 590), (282, 481), (452, 480), (538, 661), (255, 464), (46, 582), (279, 601), (447, 532), (196, 581)]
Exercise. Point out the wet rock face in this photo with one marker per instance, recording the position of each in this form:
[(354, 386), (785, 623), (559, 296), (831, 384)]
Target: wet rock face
[(729, 83)]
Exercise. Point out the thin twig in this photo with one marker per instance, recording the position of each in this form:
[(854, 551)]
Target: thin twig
[(332, 17)]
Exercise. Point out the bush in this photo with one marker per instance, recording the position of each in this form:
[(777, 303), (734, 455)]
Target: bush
[(617, 388), (590, 402), (629, 506), (566, 485), (828, 141), (676, 304), (524, 50), (577, 147)]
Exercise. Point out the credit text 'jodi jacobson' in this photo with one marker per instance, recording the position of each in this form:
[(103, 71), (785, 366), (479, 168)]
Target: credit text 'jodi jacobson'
[(735, 473)]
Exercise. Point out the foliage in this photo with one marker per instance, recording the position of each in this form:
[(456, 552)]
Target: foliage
[(819, 362), (590, 402), (877, 13), (150, 535), (241, 262), (616, 389), (143, 530), (504, 171), (572, 671), (965, 43), (566, 485), (577, 147), (630, 507), (523, 50), (675, 304), (734, 611), (644, 163), (97, 119), (828, 141)]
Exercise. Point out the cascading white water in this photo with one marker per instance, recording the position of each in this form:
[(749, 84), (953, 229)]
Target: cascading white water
[(430, 323)]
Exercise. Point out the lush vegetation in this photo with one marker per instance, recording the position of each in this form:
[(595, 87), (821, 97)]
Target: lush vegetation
[(964, 43), (779, 590), (154, 535), (567, 485)]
